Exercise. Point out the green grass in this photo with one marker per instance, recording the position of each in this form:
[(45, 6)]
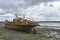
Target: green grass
[(7, 34)]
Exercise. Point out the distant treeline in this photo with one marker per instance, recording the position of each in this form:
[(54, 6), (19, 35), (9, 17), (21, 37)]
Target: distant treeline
[(48, 21), (42, 21)]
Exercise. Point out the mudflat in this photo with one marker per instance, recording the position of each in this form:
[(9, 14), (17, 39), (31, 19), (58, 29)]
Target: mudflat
[(7, 34)]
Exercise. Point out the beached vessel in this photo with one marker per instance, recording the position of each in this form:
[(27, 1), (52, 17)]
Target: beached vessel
[(21, 24)]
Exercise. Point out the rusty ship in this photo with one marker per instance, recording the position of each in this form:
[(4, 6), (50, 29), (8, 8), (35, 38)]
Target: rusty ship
[(21, 24)]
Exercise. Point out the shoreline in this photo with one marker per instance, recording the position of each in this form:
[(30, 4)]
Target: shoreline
[(7, 34)]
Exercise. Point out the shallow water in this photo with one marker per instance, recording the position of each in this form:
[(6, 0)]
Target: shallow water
[(54, 25), (50, 25)]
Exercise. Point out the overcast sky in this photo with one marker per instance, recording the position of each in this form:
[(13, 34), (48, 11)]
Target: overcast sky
[(41, 10)]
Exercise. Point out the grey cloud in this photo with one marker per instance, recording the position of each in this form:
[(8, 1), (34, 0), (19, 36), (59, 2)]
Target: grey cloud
[(36, 2), (6, 4), (11, 5)]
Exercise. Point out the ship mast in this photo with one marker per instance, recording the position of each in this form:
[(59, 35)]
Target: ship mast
[(23, 16), (16, 15)]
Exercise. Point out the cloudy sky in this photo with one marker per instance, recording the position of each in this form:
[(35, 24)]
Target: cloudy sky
[(40, 10)]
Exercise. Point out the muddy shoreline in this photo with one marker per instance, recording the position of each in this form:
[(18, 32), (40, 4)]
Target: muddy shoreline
[(7, 34)]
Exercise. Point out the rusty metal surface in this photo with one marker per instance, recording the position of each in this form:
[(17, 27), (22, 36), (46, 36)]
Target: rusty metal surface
[(20, 24)]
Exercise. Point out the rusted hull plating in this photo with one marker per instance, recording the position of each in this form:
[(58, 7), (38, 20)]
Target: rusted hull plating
[(20, 27)]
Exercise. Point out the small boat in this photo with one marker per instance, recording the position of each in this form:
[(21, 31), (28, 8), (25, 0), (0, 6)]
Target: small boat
[(21, 24)]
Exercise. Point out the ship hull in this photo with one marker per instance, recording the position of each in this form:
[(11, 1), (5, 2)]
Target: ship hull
[(27, 28)]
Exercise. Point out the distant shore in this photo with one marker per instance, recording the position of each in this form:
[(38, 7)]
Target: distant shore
[(39, 21)]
